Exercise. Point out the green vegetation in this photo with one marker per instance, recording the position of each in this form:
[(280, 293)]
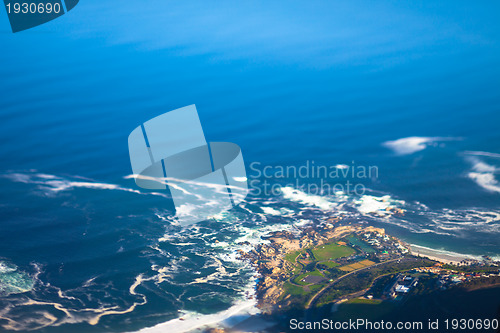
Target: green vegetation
[(320, 263), (462, 303), (316, 287), (473, 268), (300, 291), (290, 257), (329, 264), (332, 251), (297, 269), (364, 278), (293, 289), (323, 254), (364, 301), (478, 283), (357, 276), (363, 308), (378, 287)]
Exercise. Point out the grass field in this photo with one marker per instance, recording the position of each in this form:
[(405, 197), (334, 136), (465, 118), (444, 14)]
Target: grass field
[(332, 251), (293, 290), (301, 291), (329, 264)]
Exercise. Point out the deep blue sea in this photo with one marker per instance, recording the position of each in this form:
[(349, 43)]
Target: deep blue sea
[(412, 88)]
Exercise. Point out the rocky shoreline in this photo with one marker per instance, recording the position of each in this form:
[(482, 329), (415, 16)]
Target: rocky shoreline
[(269, 259), (282, 256)]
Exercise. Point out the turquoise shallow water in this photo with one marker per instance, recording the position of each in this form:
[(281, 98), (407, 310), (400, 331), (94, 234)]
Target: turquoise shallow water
[(409, 88)]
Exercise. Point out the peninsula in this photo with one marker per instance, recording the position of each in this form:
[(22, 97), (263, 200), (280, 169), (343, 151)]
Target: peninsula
[(326, 266)]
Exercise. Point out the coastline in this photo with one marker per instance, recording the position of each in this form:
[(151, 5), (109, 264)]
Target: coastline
[(442, 256), (244, 313)]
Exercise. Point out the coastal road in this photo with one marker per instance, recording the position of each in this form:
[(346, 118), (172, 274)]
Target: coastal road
[(313, 299), (290, 280)]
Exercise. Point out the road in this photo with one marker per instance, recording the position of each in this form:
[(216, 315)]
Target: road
[(322, 290)]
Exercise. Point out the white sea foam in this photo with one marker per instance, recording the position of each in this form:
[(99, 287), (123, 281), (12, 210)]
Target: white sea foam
[(271, 211), (486, 181), (410, 145), (253, 236), (41, 319), (461, 222), (369, 205), (14, 281), (6, 268), (483, 174), (293, 194), (483, 167), (482, 153), (190, 321), (379, 206), (225, 252), (243, 307), (54, 184)]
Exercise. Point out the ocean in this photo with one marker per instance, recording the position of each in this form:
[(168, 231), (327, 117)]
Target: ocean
[(410, 89)]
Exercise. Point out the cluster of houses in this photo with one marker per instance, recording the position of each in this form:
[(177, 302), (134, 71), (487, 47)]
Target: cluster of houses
[(385, 245), (447, 278)]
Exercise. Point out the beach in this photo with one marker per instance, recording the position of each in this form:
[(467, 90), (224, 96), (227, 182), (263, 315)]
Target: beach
[(441, 255)]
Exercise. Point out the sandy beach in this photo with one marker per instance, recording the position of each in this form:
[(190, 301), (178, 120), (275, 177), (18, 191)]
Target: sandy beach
[(440, 255)]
